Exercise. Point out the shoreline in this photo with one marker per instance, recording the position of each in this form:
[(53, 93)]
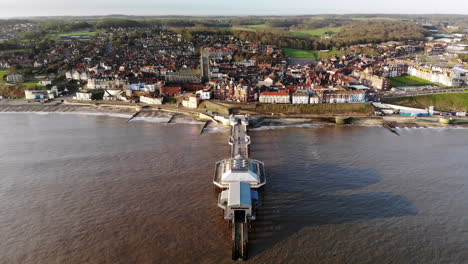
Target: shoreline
[(164, 114)]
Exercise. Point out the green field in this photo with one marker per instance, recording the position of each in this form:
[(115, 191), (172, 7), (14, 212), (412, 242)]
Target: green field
[(31, 83), (443, 102), (246, 27), (261, 26), (372, 18), (409, 81), (15, 50), (56, 36), (298, 53), (330, 53), (237, 28), (316, 32), (2, 74)]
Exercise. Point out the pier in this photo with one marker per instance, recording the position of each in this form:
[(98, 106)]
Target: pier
[(239, 179)]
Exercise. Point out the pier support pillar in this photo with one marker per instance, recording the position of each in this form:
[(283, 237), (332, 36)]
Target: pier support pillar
[(445, 121), (341, 120)]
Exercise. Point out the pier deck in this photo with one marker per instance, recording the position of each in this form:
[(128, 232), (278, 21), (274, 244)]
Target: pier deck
[(240, 141)]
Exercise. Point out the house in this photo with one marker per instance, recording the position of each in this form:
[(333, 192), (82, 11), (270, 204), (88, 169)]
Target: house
[(277, 97), (205, 94), (374, 81), (15, 78), (267, 82), (45, 82), (171, 91), (191, 102)]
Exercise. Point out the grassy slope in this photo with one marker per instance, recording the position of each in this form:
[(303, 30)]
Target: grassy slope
[(409, 81), (444, 102), (3, 73), (298, 53)]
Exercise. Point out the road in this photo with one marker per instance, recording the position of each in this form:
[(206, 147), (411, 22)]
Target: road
[(429, 92)]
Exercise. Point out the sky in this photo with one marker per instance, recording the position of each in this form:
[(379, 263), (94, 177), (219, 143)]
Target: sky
[(23, 8)]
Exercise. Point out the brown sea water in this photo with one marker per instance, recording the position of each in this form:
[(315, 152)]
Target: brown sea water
[(95, 189)]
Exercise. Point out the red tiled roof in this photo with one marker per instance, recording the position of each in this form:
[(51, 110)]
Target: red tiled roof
[(279, 93)]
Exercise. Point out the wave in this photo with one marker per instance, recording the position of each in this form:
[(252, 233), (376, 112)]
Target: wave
[(120, 115), (216, 129), (431, 128), (263, 128), (151, 119)]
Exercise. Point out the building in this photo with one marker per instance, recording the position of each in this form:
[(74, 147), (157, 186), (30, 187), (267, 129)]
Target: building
[(374, 81), (394, 70), (83, 96), (45, 82), (205, 66), (39, 94), (183, 77), (113, 94), (223, 91), (300, 98), (191, 102), (314, 99), (76, 76), (15, 78), (151, 100), (105, 84), (205, 94), (278, 97), (171, 91), (454, 77), (338, 96), (243, 93)]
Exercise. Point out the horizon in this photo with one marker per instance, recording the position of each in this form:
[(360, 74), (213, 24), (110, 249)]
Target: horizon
[(234, 15), (204, 8)]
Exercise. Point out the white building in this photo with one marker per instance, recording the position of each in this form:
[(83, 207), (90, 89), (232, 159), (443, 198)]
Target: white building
[(150, 100), (83, 96), (105, 84), (268, 82), (205, 94), (45, 82), (300, 98), (449, 77), (314, 99), (39, 94), (113, 94), (191, 102), (280, 97), (15, 78)]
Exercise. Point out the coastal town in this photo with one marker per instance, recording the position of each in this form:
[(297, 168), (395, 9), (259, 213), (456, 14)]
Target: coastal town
[(160, 65), (194, 131)]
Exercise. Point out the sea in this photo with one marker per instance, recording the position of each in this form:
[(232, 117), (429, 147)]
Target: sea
[(78, 188)]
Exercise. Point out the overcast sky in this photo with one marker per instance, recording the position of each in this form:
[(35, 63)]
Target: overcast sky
[(17, 8)]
